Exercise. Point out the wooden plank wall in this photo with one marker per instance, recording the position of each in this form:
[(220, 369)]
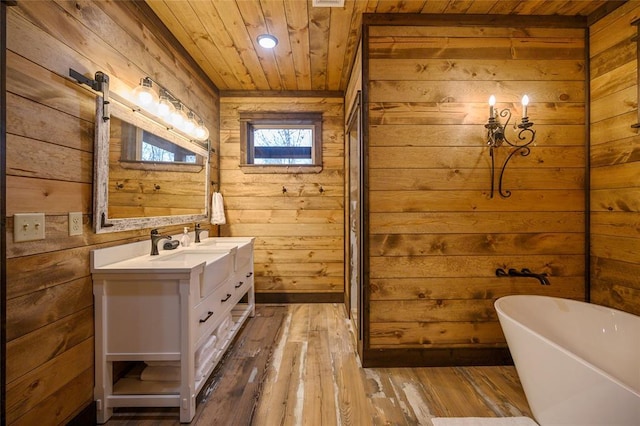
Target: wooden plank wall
[(615, 161), (299, 248), (50, 122), (436, 237)]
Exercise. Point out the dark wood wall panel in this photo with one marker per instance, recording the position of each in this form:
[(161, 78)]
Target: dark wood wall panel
[(50, 126), (299, 234), (436, 236), (615, 161)]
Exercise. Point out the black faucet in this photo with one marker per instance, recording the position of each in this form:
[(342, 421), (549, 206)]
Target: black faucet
[(540, 277), (523, 273), (501, 273), (155, 237), (197, 230)]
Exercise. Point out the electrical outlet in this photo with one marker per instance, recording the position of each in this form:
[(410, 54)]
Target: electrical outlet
[(28, 227), (75, 223)]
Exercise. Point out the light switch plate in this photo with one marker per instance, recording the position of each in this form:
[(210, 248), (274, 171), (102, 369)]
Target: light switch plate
[(28, 227), (75, 223)]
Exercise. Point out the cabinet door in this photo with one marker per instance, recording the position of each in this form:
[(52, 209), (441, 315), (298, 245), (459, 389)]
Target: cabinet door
[(154, 308)]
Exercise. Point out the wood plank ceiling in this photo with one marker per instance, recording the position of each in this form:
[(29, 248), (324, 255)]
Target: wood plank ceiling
[(316, 44)]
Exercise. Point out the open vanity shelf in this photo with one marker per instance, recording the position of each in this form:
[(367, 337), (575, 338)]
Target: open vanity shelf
[(175, 314), (131, 384)]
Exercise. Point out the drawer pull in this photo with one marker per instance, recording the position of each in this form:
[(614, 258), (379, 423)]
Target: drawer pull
[(207, 317), (249, 274), (239, 284), (226, 298)]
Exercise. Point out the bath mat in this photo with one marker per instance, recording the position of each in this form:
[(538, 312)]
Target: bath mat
[(483, 421)]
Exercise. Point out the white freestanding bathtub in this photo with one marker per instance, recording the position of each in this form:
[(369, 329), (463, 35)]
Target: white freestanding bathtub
[(579, 363)]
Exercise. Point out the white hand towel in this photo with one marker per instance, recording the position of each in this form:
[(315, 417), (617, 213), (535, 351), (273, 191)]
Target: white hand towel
[(217, 210), (201, 369), (205, 351)]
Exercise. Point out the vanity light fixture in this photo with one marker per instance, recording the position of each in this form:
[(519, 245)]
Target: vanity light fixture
[(168, 108), (497, 137), (267, 41), (158, 103)]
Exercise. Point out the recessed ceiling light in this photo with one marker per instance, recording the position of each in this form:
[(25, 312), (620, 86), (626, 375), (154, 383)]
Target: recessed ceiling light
[(328, 3), (267, 41)]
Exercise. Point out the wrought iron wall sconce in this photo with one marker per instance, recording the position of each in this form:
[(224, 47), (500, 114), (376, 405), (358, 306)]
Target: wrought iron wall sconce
[(497, 137)]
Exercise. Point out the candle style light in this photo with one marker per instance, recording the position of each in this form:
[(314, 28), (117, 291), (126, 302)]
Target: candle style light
[(497, 137), (492, 102), (525, 102)]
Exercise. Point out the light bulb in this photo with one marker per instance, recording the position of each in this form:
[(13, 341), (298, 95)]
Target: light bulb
[(492, 102), (145, 96), (267, 41), (190, 124), (201, 132), (177, 117), (525, 102), (165, 108)]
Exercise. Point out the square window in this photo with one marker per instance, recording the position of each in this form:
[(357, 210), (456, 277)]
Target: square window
[(281, 142), (282, 145)]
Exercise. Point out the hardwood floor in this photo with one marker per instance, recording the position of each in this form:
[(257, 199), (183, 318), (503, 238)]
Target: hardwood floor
[(296, 365)]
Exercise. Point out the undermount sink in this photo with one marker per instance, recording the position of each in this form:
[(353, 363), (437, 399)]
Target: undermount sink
[(244, 248), (191, 256), (218, 265)]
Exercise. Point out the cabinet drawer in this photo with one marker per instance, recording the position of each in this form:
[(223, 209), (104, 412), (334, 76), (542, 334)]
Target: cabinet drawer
[(226, 295), (243, 279), (208, 313)]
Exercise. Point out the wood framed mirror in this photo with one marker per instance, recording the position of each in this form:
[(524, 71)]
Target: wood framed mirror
[(145, 175)]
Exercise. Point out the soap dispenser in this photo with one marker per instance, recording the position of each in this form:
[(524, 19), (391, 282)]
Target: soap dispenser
[(186, 239)]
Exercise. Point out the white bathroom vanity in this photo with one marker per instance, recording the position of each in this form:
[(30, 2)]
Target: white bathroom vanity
[(174, 314)]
